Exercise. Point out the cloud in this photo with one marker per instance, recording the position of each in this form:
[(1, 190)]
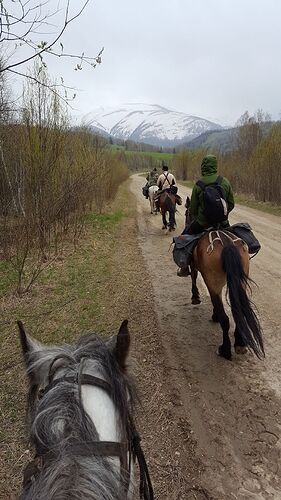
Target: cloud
[(211, 58)]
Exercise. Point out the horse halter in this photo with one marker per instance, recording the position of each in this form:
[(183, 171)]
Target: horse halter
[(101, 448)]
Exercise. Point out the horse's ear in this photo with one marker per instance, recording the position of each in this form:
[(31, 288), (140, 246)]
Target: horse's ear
[(122, 345), (28, 344)]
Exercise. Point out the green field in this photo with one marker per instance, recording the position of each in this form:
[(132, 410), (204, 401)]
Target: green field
[(147, 154)]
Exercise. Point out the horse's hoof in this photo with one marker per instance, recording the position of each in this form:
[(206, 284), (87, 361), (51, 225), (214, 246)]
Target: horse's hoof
[(215, 318), (195, 301), (240, 349), (164, 227), (224, 353)]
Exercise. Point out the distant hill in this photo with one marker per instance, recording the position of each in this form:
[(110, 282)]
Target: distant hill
[(223, 140), (148, 123)]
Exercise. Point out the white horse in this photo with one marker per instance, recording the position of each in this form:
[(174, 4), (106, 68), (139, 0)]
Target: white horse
[(152, 190)]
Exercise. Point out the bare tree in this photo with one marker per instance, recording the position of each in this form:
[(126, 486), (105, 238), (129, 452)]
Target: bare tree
[(23, 24), (249, 133)]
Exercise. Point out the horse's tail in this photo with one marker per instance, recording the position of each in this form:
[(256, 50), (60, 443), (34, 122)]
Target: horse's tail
[(171, 208), (241, 306), (169, 205)]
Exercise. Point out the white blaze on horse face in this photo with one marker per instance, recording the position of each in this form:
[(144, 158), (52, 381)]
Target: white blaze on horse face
[(99, 405), (100, 408)]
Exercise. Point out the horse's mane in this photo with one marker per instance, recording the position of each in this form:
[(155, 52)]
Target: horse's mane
[(59, 421)]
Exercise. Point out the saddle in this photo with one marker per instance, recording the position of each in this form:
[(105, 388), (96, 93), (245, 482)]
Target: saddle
[(168, 190), (185, 243)]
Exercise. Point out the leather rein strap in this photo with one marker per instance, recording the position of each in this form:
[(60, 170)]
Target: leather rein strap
[(101, 448)]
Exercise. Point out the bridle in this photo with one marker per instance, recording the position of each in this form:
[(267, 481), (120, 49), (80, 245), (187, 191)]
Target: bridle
[(121, 450)]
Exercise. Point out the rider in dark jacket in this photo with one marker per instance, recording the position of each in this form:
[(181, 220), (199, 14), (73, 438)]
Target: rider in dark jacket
[(199, 219), (209, 169)]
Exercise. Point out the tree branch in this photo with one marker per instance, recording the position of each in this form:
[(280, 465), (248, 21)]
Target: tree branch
[(45, 46), (50, 86)]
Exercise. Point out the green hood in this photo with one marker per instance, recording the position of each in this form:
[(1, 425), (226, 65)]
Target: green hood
[(209, 165)]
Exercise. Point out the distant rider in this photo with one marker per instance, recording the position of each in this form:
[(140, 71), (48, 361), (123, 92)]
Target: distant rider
[(151, 178), (166, 180)]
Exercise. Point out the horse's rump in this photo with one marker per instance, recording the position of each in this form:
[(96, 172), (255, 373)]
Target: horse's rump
[(167, 201), (152, 190), (223, 258), (208, 250)]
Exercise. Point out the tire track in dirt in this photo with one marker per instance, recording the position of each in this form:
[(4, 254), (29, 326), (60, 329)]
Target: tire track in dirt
[(233, 409)]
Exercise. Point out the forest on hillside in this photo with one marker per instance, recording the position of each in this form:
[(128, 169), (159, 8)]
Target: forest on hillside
[(253, 166)]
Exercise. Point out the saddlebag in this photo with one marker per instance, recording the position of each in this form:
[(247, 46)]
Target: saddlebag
[(145, 191), (183, 248), (244, 231)]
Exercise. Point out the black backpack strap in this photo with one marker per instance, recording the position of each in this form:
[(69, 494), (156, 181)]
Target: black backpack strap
[(167, 178), (201, 184), (219, 180)]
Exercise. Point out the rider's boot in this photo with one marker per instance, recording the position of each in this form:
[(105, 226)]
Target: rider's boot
[(183, 271)]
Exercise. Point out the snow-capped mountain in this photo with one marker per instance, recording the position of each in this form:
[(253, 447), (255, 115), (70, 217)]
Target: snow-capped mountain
[(149, 123)]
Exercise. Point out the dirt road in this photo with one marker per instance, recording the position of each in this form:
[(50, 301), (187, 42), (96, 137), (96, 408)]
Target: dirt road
[(233, 408)]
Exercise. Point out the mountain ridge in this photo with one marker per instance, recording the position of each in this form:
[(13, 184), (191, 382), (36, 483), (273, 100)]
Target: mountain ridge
[(148, 123)]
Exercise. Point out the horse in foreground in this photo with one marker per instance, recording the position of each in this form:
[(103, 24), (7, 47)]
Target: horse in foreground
[(223, 259), (80, 408), (167, 203), (152, 191)]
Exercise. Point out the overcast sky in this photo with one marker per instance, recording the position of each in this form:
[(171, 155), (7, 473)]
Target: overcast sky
[(210, 58)]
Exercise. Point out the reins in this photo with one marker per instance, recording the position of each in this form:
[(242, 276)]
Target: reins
[(99, 448)]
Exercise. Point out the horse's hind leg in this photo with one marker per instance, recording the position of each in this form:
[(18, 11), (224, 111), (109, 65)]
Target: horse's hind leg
[(239, 344), (222, 318), (195, 299), (164, 220), (172, 220)]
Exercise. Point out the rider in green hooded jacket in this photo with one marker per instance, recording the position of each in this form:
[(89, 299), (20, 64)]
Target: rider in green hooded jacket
[(199, 219), (209, 168)]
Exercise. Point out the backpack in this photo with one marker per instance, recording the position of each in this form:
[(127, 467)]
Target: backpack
[(215, 206)]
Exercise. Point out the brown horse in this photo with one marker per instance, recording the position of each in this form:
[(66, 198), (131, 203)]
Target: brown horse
[(223, 259), (167, 203)]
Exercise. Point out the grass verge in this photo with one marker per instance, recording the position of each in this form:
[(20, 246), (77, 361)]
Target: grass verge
[(263, 206)]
